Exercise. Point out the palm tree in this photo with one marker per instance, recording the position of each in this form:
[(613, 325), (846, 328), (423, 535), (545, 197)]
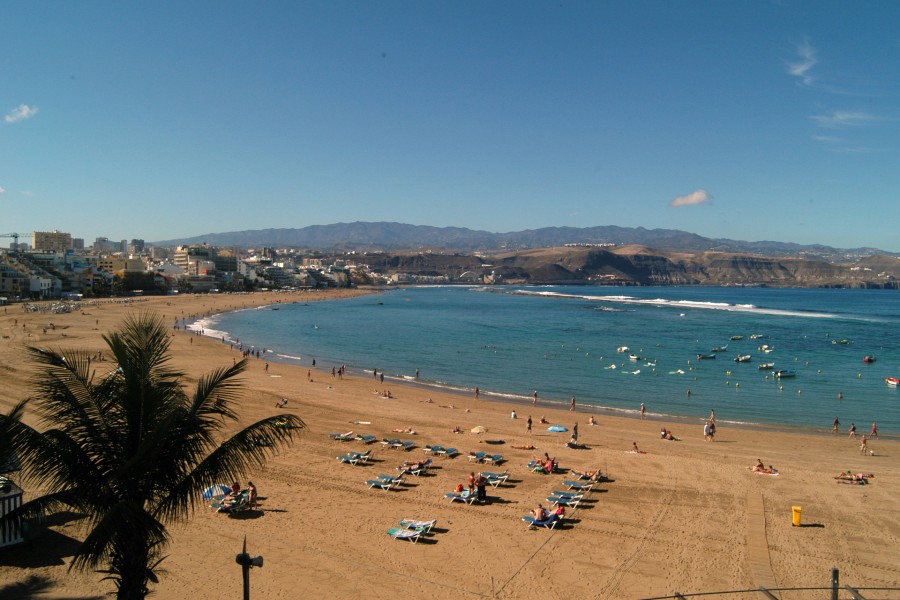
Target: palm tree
[(130, 449)]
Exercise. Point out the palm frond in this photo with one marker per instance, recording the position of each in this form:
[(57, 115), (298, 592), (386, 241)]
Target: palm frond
[(233, 460)]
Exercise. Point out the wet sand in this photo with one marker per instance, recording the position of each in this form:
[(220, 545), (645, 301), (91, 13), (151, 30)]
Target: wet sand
[(687, 516)]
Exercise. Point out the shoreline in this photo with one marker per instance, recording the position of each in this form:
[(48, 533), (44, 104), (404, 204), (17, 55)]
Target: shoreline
[(512, 400), (687, 516)]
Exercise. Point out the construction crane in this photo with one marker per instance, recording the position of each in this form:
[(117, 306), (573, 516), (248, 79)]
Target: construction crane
[(15, 237)]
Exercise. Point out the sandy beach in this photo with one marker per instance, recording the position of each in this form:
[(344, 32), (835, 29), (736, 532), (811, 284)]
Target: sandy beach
[(688, 516)]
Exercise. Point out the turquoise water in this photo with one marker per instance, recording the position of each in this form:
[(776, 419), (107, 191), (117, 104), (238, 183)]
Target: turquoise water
[(562, 341)]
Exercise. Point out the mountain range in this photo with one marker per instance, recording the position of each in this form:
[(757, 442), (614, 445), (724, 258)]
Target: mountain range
[(395, 237)]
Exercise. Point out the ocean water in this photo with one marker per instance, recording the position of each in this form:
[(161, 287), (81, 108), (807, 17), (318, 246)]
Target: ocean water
[(563, 342)]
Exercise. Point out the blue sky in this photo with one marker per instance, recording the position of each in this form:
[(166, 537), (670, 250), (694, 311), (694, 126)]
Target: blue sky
[(743, 120)]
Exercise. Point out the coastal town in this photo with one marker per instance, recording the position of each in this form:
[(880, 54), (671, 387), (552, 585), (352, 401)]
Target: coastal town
[(57, 265)]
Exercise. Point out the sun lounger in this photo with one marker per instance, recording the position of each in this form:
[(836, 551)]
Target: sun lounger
[(386, 442), (393, 478), (477, 456), (495, 479), (433, 450), (537, 466), (414, 469), (366, 439), (423, 526), (404, 445), (550, 522), (355, 458), (341, 437), (579, 485), (494, 459), (572, 501), (382, 484), (399, 533), (464, 497), (450, 452)]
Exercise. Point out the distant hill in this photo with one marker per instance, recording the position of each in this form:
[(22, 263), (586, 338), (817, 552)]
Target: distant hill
[(394, 237)]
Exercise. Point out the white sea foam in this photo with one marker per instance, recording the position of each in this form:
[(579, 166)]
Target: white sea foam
[(680, 304)]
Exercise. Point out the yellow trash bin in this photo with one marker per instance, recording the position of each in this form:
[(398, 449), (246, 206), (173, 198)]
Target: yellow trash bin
[(796, 510)]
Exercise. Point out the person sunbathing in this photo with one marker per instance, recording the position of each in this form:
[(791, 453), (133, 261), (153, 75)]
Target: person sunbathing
[(850, 476), (634, 448), (759, 467), (523, 447), (543, 420), (405, 430), (594, 475)]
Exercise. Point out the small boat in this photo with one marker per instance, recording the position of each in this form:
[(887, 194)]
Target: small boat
[(869, 359), (766, 366), (737, 337), (743, 358), (634, 357), (785, 374), (705, 356), (622, 349), (842, 342), (720, 348), (892, 381)]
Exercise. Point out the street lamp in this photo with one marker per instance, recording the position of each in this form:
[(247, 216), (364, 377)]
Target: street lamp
[(246, 561)]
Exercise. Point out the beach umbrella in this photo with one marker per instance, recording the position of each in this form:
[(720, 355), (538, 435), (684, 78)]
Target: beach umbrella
[(557, 429), (219, 489), (479, 429)]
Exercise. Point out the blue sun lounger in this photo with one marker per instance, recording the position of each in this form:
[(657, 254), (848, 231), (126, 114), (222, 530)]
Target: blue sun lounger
[(550, 522), (477, 456), (579, 485), (494, 459), (383, 484), (404, 445), (399, 533), (465, 497), (495, 479), (366, 439), (572, 501), (449, 452), (341, 437), (423, 526), (386, 442)]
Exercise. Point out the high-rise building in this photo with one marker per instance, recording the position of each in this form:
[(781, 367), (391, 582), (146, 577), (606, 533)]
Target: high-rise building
[(51, 241)]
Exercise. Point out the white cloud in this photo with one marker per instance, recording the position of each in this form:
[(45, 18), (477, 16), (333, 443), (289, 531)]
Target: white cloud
[(692, 199), (20, 113), (844, 118), (806, 56), (2, 190)]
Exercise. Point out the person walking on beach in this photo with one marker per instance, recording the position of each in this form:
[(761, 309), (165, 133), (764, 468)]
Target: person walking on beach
[(862, 445), (534, 395), (835, 425), (874, 429), (528, 425), (643, 410), (477, 391), (573, 404), (852, 430), (575, 433)]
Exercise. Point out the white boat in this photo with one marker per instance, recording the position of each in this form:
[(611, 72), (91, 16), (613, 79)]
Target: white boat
[(766, 366), (622, 349), (784, 374), (892, 381), (743, 358)]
